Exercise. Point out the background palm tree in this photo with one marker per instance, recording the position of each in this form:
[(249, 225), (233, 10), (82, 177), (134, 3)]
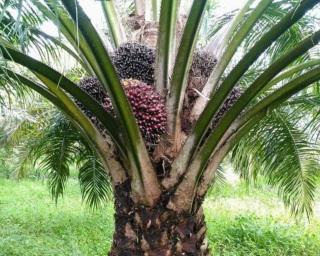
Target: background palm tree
[(159, 184)]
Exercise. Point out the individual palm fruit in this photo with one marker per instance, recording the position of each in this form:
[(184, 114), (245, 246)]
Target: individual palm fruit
[(135, 61)]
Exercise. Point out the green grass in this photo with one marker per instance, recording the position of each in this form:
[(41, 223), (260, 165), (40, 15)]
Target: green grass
[(253, 221), (240, 222)]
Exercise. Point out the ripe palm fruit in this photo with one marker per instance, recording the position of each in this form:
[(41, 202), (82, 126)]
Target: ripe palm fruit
[(147, 105), (135, 61), (148, 108)]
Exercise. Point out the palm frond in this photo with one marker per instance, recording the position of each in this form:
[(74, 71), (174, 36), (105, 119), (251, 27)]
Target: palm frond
[(115, 26), (276, 11), (142, 171), (270, 16), (14, 123), (219, 179), (217, 27), (95, 185), (21, 129), (53, 145), (182, 66), (56, 151), (60, 146), (254, 89), (23, 31), (306, 108), (278, 149)]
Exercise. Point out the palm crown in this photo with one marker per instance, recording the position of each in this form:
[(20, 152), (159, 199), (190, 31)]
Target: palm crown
[(162, 131)]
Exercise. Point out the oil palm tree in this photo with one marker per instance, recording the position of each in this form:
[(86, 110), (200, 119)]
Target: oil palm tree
[(160, 147)]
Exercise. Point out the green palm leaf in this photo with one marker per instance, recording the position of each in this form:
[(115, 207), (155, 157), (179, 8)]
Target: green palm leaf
[(94, 182), (166, 42), (114, 23), (57, 150), (280, 151)]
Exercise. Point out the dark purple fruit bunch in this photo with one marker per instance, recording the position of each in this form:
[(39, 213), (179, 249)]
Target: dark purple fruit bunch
[(201, 68), (135, 61), (202, 64), (231, 99), (92, 86)]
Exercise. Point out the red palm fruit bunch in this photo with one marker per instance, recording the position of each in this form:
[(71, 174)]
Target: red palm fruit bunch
[(149, 109), (147, 105)]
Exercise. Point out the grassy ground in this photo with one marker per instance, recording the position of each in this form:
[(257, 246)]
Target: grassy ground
[(240, 222)]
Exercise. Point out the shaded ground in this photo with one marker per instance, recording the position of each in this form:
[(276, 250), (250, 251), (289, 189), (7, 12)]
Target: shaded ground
[(240, 222)]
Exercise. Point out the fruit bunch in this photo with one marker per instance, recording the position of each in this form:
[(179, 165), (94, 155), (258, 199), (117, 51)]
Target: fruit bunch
[(135, 61), (147, 105), (231, 99)]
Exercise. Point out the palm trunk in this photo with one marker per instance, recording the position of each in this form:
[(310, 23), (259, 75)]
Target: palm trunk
[(155, 231)]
